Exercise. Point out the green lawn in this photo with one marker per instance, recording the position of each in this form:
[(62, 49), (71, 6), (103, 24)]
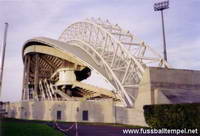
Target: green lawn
[(111, 124), (17, 128)]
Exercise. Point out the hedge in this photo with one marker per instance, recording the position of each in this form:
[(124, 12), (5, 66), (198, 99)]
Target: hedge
[(173, 115)]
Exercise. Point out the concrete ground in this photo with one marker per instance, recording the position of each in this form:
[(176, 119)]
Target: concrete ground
[(89, 130), (99, 130)]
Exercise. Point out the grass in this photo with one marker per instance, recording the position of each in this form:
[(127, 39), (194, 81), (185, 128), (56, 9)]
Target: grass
[(21, 128), (106, 124), (111, 124)]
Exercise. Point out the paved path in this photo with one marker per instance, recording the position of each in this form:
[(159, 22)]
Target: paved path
[(89, 130), (100, 130)]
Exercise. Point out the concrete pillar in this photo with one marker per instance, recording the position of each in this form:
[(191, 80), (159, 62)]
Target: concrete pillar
[(24, 78), (36, 81), (27, 77)]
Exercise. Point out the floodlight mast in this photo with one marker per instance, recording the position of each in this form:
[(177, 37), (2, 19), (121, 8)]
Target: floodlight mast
[(160, 6), (3, 55)]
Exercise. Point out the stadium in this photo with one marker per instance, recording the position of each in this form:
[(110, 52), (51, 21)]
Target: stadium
[(54, 71)]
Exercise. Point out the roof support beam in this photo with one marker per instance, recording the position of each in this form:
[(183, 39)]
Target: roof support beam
[(48, 62), (36, 81)]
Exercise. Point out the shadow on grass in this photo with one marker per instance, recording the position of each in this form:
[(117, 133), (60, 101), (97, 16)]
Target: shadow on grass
[(14, 127)]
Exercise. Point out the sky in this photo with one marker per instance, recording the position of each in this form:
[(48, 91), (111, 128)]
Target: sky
[(49, 18)]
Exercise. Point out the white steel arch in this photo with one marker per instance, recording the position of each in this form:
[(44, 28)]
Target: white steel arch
[(120, 53)]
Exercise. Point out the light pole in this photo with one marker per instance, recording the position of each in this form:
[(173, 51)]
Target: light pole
[(3, 55), (160, 6)]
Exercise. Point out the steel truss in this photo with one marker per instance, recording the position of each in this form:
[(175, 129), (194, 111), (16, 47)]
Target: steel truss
[(123, 56)]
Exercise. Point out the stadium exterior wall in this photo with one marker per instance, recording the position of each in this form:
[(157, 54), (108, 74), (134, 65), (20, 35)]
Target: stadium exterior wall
[(103, 111)]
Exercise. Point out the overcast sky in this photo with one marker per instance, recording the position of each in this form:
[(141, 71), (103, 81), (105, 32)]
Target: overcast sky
[(33, 18)]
